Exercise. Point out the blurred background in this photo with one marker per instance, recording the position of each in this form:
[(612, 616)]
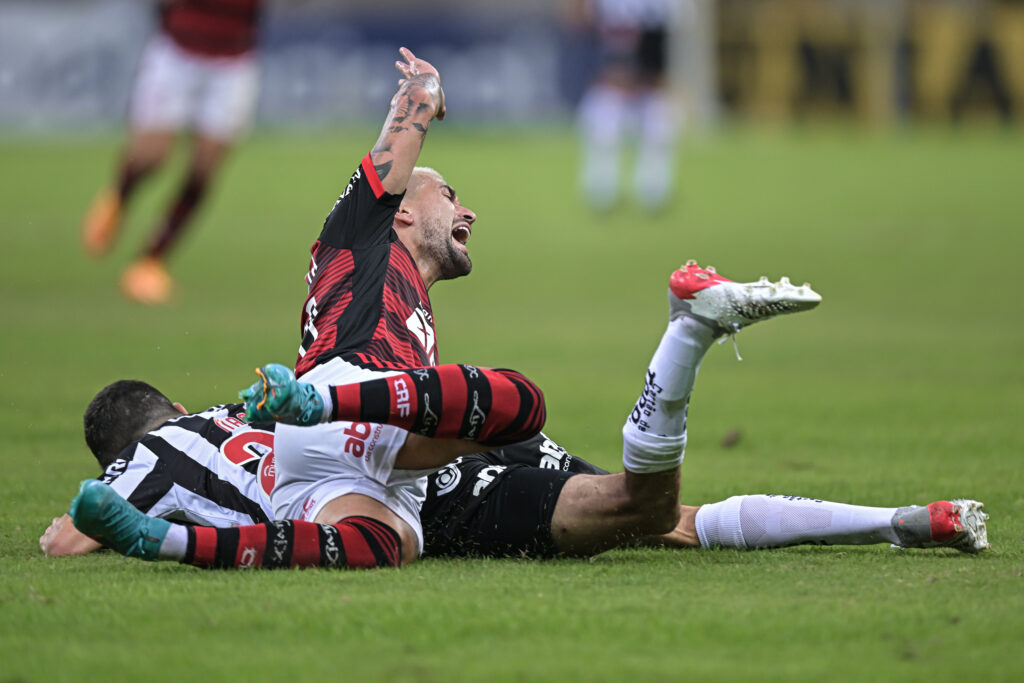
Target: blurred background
[(68, 64)]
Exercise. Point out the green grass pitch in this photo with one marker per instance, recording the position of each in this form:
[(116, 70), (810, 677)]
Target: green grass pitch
[(904, 386)]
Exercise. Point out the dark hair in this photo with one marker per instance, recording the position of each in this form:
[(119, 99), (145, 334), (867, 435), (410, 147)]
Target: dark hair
[(122, 413)]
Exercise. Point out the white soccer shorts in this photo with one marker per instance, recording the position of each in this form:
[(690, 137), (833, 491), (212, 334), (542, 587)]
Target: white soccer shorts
[(176, 89), (317, 464)]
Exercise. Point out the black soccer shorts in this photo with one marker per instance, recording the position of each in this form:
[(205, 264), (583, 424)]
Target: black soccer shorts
[(499, 503)]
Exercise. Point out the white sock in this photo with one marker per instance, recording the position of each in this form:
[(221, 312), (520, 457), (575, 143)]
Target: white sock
[(602, 120), (654, 436), (762, 521), (175, 543), (655, 164), (325, 395)]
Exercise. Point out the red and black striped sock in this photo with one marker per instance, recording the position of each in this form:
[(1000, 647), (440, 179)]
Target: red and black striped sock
[(353, 543), (489, 406)]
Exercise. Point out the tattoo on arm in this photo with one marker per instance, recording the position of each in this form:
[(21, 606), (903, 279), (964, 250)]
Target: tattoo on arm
[(412, 109), (383, 169)]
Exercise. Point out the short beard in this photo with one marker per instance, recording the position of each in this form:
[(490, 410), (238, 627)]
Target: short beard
[(450, 262)]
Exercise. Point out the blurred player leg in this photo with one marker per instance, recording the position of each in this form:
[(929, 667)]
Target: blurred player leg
[(158, 110), (602, 120), (654, 172), (223, 101), (146, 151)]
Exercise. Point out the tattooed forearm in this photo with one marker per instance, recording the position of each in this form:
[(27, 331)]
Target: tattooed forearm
[(418, 100)]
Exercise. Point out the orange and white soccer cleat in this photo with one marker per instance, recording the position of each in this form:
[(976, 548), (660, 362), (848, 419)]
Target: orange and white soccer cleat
[(102, 223), (727, 306), (147, 282), (958, 524)]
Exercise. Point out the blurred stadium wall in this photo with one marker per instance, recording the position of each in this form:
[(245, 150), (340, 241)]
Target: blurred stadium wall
[(68, 64)]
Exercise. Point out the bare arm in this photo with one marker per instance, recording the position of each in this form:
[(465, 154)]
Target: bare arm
[(418, 101), (62, 538)]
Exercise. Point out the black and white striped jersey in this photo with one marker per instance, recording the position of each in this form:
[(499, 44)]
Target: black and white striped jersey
[(209, 468)]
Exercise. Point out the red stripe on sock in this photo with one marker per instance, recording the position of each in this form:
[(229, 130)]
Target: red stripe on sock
[(348, 403), (505, 402), (206, 546), (385, 537), (252, 542), (357, 550), (453, 394), (306, 545)]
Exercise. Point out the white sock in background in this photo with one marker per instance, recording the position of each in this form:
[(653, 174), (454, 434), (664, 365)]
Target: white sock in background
[(602, 121), (654, 173)]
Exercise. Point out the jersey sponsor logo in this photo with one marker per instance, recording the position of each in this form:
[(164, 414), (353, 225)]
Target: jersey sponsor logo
[(555, 457), (401, 396), (448, 477), (421, 324), (485, 477), (267, 474), (362, 438), (229, 424), (114, 470), (253, 444)]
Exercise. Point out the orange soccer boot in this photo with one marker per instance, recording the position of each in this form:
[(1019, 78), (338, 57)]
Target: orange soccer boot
[(147, 282), (101, 224)]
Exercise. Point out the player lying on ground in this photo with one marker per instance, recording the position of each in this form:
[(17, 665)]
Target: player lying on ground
[(492, 503)]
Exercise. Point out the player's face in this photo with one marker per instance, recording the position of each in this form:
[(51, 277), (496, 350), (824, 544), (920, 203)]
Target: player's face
[(445, 227)]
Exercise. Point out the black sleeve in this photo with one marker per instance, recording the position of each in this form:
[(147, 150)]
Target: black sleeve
[(363, 214)]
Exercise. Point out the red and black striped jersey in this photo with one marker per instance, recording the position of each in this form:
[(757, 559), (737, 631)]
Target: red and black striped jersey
[(215, 28), (367, 302)]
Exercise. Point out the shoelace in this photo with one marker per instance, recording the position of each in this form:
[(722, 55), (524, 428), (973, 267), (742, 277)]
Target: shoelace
[(732, 335)]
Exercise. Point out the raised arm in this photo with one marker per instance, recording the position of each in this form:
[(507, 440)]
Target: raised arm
[(418, 101)]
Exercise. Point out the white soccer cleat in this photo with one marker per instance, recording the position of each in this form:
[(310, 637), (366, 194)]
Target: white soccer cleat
[(958, 524), (727, 306)]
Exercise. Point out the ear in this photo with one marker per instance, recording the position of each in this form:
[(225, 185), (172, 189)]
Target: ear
[(403, 219), (180, 408)]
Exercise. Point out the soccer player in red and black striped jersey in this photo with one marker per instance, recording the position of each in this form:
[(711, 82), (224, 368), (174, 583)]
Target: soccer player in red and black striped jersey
[(393, 233), (198, 72)]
